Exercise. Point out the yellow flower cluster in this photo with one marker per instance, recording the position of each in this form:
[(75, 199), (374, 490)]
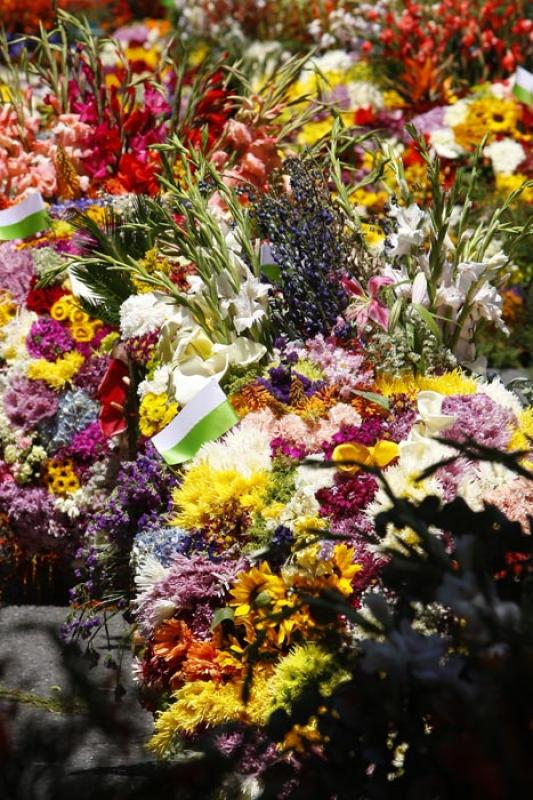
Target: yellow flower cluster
[(208, 703), (455, 382), (522, 437), (505, 184), (82, 326), (152, 262), (207, 497), (60, 477), (269, 602), (56, 374), (491, 115), (8, 309), (155, 412)]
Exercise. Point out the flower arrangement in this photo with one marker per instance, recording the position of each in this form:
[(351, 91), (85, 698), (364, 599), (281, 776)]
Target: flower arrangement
[(54, 457), (242, 375)]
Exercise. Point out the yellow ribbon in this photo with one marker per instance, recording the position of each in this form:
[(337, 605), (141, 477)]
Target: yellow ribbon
[(379, 455)]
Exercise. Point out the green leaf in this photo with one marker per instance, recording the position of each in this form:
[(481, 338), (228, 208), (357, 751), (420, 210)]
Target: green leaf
[(372, 397), (272, 272), (428, 318), (221, 615)]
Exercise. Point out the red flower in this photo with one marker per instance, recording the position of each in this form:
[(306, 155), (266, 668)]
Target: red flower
[(112, 395), (42, 300)]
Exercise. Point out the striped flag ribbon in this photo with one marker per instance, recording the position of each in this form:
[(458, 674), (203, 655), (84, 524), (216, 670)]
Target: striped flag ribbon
[(24, 219), (523, 86), (205, 418)]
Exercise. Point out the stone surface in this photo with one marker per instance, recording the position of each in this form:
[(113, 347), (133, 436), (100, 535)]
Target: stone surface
[(45, 750)]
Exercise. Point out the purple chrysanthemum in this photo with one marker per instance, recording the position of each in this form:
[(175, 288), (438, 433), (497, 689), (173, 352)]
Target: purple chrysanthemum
[(27, 403), (478, 417)]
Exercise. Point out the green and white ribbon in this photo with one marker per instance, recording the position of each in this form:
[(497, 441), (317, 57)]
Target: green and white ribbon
[(523, 86), (205, 418), (24, 219)]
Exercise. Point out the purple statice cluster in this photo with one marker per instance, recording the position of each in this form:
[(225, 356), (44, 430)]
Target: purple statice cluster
[(307, 240), (16, 271), (194, 584), (478, 417), (75, 411), (141, 494), (28, 403), (48, 339), (91, 373)]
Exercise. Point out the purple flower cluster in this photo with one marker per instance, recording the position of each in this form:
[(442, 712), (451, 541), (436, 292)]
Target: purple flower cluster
[(403, 415), (282, 380), (27, 402), (478, 417), (88, 445), (29, 510), (142, 493), (91, 373), (48, 339), (195, 585), (340, 367), (368, 433), (16, 271)]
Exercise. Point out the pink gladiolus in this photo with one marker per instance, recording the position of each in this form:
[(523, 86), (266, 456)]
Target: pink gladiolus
[(367, 307)]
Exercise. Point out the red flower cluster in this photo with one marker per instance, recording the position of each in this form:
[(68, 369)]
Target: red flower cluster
[(486, 39), (42, 300)]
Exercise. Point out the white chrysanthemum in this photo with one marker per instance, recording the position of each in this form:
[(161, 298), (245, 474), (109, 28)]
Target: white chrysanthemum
[(363, 94), (158, 383), (13, 338), (497, 392), (243, 449), (310, 479), (149, 571), (144, 313), (71, 504), (302, 505), (456, 113), (334, 61), (444, 143), (486, 477), (505, 155)]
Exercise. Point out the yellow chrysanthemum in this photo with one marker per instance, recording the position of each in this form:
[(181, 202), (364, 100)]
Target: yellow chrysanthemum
[(8, 309), (455, 382), (393, 99), (505, 184), (56, 374), (206, 496), (155, 412), (60, 477), (306, 663), (206, 703), (62, 229), (522, 437)]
